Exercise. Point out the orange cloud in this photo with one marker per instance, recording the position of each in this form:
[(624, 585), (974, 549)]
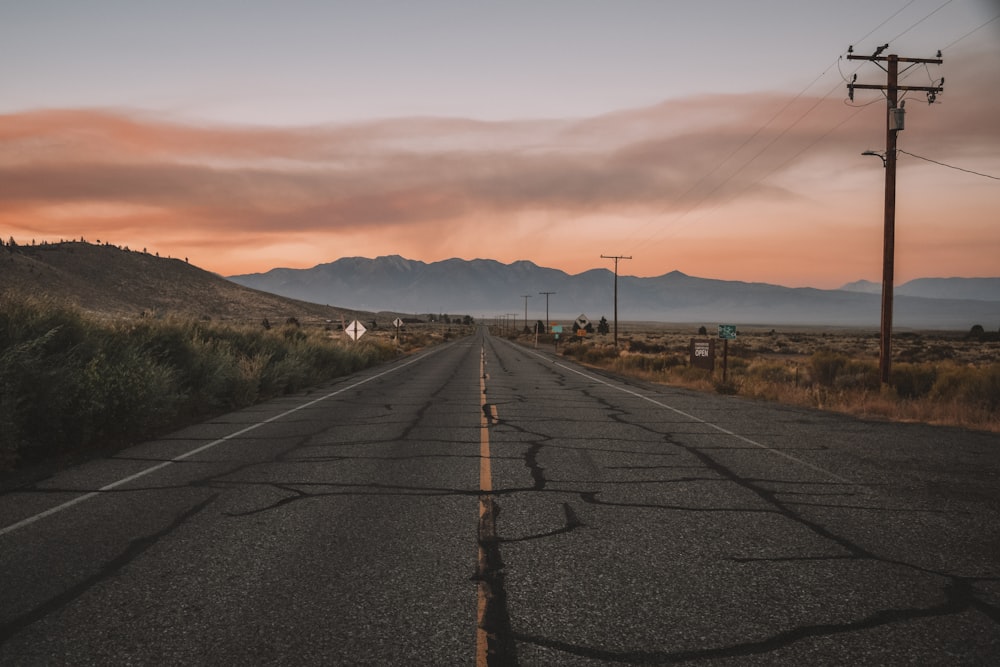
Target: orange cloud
[(710, 185)]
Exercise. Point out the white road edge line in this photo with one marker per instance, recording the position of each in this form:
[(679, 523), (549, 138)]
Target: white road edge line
[(159, 466), (718, 428)]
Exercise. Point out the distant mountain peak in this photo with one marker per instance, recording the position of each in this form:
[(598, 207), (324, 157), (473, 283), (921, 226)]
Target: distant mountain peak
[(485, 288)]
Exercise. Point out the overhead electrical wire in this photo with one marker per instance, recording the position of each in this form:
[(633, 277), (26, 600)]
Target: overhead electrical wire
[(942, 6), (950, 166), (677, 217)]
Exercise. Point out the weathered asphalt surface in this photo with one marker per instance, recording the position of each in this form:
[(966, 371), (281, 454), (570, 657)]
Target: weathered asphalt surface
[(633, 525)]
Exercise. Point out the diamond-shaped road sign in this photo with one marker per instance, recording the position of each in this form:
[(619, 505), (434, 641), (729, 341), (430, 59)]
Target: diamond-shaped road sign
[(355, 330), (397, 322)]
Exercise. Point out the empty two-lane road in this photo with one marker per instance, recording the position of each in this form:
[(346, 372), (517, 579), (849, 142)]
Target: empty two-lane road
[(483, 503)]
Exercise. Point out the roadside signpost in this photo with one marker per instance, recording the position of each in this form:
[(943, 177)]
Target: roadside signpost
[(556, 331), (397, 323), (355, 330), (727, 332), (703, 353)]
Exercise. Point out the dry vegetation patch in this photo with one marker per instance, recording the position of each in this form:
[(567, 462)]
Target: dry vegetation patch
[(937, 377)]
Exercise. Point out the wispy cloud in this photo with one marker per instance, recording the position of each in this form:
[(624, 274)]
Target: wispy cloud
[(72, 172)]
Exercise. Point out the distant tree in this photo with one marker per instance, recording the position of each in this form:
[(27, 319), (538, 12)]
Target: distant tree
[(602, 326), (467, 320), (976, 331), (540, 326), (266, 323), (702, 331)]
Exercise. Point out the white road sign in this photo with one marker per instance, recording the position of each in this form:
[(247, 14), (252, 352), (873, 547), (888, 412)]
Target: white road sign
[(355, 330), (397, 322)]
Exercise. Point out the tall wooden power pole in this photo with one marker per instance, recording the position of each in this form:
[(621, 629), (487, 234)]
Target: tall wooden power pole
[(616, 258), (547, 295), (893, 124)]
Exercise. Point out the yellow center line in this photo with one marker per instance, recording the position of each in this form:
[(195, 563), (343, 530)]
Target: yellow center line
[(486, 527)]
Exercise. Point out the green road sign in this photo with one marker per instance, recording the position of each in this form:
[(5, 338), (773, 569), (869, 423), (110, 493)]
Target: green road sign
[(727, 331)]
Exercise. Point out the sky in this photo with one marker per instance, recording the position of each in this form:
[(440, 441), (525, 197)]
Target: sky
[(713, 138)]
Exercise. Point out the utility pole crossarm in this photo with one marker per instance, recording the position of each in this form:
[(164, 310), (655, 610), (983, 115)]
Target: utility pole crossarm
[(928, 61), (875, 86)]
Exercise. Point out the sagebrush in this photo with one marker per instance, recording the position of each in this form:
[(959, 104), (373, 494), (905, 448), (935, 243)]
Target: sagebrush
[(70, 381)]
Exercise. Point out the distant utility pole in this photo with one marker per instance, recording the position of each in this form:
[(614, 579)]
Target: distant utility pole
[(547, 294), (525, 297), (894, 123), (616, 258)]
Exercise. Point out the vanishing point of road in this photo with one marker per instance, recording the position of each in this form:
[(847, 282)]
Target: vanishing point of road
[(483, 503)]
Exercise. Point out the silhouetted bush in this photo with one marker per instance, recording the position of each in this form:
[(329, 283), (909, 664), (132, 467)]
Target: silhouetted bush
[(69, 381)]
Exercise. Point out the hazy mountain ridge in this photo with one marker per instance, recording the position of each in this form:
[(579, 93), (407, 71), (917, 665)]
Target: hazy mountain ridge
[(977, 289), (485, 288)]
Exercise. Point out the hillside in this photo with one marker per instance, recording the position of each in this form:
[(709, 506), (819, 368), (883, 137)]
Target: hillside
[(486, 287), (115, 282)]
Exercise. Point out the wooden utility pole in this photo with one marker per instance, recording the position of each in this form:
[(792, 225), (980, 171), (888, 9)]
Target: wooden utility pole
[(893, 124), (525, 297), (547, 294), (616, 258)]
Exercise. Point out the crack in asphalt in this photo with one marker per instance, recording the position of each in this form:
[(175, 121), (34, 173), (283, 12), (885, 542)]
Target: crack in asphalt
[(960, 593), (134, 549)]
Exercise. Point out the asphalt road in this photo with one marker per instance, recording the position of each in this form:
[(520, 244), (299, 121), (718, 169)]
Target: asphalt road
[(484, 502)]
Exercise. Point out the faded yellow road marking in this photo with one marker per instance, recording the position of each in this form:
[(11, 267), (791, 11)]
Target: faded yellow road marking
[(487, 528)]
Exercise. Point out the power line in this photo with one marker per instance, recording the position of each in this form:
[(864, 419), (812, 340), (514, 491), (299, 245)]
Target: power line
[(697, 204), (948, 2), (669, 227), (971, 32), (950, 166)]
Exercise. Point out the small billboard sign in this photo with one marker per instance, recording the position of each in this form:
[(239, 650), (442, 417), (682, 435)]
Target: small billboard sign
[(727, 332), (703, 353)]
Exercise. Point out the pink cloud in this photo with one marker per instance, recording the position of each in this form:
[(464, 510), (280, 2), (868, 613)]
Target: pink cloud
[(682, 169)]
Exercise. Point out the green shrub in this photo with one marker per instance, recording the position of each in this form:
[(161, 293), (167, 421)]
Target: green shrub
[(976, 387), (825, 366), (912, 380), (68, 381)]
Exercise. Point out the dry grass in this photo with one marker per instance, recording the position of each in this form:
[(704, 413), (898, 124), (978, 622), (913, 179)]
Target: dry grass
[(937, 377)]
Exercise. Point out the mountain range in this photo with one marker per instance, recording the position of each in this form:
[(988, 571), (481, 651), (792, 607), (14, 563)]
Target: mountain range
[(485, 288)]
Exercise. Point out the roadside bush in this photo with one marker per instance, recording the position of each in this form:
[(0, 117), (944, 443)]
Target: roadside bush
[(912, 380), (69, 381), (978, 387), (825, 365)]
